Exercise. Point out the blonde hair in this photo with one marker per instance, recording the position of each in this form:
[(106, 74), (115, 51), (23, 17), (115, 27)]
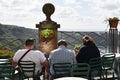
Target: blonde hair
[(87, 38)]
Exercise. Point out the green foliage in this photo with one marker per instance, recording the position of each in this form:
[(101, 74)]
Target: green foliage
[(114, 18), (111, 19), (6, 54), (77, 46), (45, 33)]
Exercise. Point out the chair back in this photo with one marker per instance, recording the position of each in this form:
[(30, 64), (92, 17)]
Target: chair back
[(61, 69), (108, 60), (80, 70), (6, 70), (95, 64), (27, 69), (96, 67)]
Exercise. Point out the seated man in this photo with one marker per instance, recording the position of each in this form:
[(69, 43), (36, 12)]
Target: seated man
[(61, 54), (33, 55)]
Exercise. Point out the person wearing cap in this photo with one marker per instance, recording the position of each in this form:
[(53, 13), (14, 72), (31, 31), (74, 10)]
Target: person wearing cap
[(33, 55), (88, 51), (61, 55)]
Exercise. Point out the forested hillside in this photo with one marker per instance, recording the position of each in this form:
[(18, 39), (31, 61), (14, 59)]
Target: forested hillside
[(14, 36), (18, 32)]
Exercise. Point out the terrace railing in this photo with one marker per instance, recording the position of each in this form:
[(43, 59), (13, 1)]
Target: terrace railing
[(73, 38)]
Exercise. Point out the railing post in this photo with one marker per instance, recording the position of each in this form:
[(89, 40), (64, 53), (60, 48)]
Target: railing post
[(113, 40)]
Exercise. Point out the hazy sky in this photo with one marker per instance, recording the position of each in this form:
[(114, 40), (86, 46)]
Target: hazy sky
[(72, 15)]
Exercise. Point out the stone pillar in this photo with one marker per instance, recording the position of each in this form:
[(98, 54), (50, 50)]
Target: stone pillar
[(47, 30)]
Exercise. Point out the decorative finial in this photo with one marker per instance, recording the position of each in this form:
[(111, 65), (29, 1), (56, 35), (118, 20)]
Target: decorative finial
[(48, 10)]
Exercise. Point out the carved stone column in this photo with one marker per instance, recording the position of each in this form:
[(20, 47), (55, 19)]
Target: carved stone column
[(48, 30)]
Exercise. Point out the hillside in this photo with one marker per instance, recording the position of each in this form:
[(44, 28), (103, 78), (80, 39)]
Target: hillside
[(12, 31), (12, 36)]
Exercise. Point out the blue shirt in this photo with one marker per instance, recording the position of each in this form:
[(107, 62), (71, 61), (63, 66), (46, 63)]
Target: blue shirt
[(60, 55)]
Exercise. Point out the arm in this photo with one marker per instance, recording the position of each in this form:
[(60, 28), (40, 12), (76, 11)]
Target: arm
[(45, 63), (75, 61), (13, 62), (81, 55), (73, 57)]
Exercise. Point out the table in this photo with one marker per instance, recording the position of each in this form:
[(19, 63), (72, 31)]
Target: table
[(71, 78)]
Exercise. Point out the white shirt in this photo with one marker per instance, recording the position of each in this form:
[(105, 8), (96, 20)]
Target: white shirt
[(33, 55)]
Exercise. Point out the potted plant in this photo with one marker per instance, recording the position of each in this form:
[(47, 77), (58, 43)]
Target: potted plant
[(47, 34), (113, 22)]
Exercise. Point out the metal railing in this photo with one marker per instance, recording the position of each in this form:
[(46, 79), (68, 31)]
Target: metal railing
[(73, 38)]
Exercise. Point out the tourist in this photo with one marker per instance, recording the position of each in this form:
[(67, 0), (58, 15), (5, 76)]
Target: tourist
[(61, 55), (88, 51), (33, 55)]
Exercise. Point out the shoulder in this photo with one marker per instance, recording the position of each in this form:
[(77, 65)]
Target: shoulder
[(55, 50), (83, 48), (36, 52), (70, 51), (20, 51)]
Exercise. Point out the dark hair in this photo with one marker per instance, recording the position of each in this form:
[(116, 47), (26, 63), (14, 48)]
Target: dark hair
[(62, 42), (29, 42)]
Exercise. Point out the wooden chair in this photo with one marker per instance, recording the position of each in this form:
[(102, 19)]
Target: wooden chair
[(107, 63), (6, 70), (80, 70), (27, 69), (61, 70), (96, 67)]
